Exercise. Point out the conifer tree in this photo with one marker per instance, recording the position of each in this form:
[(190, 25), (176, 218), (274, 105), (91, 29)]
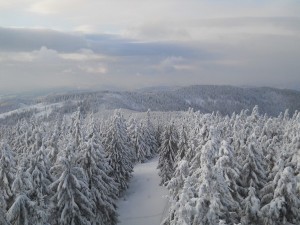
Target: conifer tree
[(3, 219), (103, 188), (40, 172), (182, 144), (72, 198), (22, 209), (52, 145), (167, 153), (39, 169), (284, 208), (227, 172), (76, 132), (180, 175), (35, 141), (181, 195), (182, 209), (142, 149), (251, 205), (20, 213), (7, 173), (119, 151), (132, 134), (23, 179), (253, 172), (149, 134)]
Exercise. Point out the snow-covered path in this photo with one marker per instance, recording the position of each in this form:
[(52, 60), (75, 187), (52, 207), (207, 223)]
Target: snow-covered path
[(144, 202)]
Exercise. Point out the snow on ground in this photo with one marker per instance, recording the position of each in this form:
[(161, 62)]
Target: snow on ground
[(145, 202), (41, 107)]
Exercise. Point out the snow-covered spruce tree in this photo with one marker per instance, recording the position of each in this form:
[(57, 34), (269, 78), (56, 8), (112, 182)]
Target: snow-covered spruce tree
[(205, 179), (211, 147), (17, 135), (242, 130), (20, 213), (72, 199), (103, 188), (253, 173), (75, 131), (182, 208), (149, 134), (3, 219), (228, 172), (21, 144), (284, 208), (251, 208), (253, 178), (142, 136), (52, 145), (167, 153), (148, 139), (176, 183), (198, 136), (267, 192), (292, 154), (22, 210), (142, 150), (215, 201), (182, 144), (131, 130), (35, 140), (119, 151), (136, 139), (23, 180), (39, 169), (272, 153), (7, 173), (181, 196)]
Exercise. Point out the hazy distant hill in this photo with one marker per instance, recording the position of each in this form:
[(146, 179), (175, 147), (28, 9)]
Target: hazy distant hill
[(206, 98)]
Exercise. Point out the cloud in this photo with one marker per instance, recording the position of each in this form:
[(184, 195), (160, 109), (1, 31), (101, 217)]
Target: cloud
[(39, 58), (142, 43), (84, 55), (215, 29), (112, 45), (16, 57), (157, 31), (12, 4), (16, 39), (48, 55), (95, 69), (86, 29), (48, 68), (174, 63), (55, 7)]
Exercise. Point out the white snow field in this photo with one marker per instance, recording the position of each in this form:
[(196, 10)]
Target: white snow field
[(145, 202)]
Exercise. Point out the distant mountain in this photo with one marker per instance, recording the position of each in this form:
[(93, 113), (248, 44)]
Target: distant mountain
[(206, 98)]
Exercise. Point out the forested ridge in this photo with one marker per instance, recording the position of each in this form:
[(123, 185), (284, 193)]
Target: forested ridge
[(206, 98)]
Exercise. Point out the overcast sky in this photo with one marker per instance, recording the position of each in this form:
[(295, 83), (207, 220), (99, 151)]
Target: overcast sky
[(139, 43)]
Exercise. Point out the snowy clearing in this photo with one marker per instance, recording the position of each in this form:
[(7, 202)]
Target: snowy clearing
[(145, 202)]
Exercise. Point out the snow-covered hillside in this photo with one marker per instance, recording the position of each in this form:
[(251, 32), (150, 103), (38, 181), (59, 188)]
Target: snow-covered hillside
[(225, 99), (206, 98)]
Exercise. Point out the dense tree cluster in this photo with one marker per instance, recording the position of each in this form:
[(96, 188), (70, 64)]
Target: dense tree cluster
[(70, 170), (67, 168), (239, 169)]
